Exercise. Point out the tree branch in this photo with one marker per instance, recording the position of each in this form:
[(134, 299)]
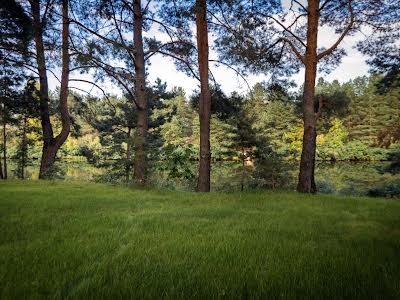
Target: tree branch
[(151, 52), (320, 105), (113, 42), (295, 50), (299, 4), (232, 68), (181, 60), (96, 85), (285, 28), (324, 4), (340, 39)]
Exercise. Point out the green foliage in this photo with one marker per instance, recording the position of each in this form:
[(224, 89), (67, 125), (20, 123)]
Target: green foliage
[(326, 187), (331, 146), (270, 168), (55, 172), (358, 151), (371, 115), (178, 115), (390, 189), (394, 158), (176, 161)]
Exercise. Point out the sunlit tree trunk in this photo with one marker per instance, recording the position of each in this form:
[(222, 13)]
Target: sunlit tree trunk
[(306, 181), (140, 141), (24, 149), (203, 183), (51, 145)]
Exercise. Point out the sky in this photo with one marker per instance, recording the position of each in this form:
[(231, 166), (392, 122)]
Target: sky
[(353, 65)]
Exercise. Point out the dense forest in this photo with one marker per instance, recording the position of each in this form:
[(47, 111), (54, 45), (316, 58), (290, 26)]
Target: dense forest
[(147, 133)]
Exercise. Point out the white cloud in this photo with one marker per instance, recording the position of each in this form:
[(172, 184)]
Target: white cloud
[(353, 65)]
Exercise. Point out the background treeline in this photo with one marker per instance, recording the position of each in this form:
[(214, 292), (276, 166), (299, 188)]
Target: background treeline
[(151, 128), (257, 137)]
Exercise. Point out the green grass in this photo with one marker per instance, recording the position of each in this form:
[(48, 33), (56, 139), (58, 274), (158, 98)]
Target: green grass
[(72, 240)]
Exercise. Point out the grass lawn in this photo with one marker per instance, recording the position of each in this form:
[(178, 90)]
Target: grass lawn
[(78, 240)]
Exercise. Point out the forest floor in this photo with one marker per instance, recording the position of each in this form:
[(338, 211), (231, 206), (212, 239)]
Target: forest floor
[(78, 240)]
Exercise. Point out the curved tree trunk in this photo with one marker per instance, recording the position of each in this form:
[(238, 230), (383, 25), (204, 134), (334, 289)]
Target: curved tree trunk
[(140, 143), (306, 183), (51, 144), (203, 183)]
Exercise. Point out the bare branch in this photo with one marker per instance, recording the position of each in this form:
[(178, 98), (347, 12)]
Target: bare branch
[(181, 60), (342, 36), (285, 29), (113, 42), (324, 4), (167, 30), (232, 68), (29, 67), (119, 31), (299, 4), (151, 52), (147, 6), (295, 50), (48, 4), (96, 85)]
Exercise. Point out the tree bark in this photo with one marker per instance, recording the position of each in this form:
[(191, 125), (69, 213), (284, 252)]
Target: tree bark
[(51, 145), (140, 143), (128, 155), (5, 149), (306, 183), (243, 170), (203, 183), (1, 170), (24, 150)]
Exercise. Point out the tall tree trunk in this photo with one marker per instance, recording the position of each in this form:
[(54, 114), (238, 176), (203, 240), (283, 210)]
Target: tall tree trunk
[(203, 183), (51, 144), (140, 143), (306, 183), (1, 170), (243, 170), (128, 154), (5, 149), (24, 150)]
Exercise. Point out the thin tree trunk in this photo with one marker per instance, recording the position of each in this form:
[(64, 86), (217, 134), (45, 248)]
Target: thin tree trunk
[(5, 150), (140, 143), (1, 170), (203, 183), (128, 155), (4, 145), (24, 150), (243, 170), (306, 183), (50, 144)]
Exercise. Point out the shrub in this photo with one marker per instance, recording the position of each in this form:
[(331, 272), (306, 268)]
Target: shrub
[(326, 187), (390, 189)]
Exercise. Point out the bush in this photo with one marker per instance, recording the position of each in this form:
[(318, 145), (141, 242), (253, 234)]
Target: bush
[(326, 187), (358, 151), (176, 161), (55, 172), (390, 189)]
